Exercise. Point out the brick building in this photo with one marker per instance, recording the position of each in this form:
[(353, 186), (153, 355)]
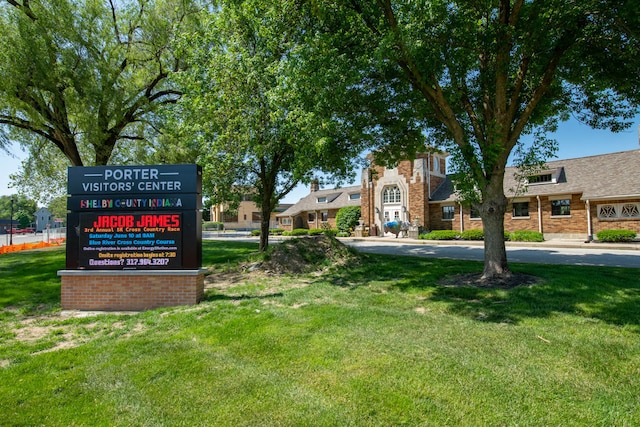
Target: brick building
[(319, 207), (574, 198)]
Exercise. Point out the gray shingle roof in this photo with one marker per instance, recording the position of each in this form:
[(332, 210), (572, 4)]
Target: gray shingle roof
[(605, 176), (336, 198)]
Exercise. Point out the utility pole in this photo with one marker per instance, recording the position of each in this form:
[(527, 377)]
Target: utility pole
[(11, 224)]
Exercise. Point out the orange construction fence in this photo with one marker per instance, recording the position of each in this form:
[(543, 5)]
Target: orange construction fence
[(28, 246)]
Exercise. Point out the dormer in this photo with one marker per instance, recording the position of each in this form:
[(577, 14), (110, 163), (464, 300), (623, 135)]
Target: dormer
[(547, 176)]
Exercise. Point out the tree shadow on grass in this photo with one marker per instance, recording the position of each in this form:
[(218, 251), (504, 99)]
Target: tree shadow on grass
[(609, 294)]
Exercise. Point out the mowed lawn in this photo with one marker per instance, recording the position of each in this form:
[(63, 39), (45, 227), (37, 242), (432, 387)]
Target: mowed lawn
[(380, 343)]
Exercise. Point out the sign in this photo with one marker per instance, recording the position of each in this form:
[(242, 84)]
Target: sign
[(134, 217), (130, 241), (159, 179)]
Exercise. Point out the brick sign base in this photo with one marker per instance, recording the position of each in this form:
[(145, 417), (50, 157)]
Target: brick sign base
[(134, 290)]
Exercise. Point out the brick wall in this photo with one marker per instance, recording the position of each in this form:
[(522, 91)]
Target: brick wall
[(130, 290), (598, 225)]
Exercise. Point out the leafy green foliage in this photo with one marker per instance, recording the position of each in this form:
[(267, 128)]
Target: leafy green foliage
[(347, 218), (246, 105), (297, 232), (476, 77), (616, 235), (526, 236), (87, 77), (315, 231), (440, 235), (472, 235)]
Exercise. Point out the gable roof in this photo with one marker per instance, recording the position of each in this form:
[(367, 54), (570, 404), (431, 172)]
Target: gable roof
[(336, 198), (600, 177)]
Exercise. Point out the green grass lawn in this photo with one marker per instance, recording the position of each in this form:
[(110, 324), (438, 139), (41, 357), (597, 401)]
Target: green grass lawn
[(378, 344)]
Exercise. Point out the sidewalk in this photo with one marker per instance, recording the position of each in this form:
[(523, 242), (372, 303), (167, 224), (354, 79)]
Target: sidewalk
[(552, 243)]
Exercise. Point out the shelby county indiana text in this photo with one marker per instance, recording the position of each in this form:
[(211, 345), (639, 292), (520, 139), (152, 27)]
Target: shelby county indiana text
[(175, 202)]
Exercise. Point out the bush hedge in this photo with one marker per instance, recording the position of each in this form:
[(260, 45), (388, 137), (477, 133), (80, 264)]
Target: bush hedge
[(297, 232), (315, 231), (616, 235), (440, 235), (472, 235), (526, 236)]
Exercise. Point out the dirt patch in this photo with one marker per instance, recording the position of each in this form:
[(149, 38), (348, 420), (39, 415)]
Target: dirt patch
[(476, 280), (306, 255)]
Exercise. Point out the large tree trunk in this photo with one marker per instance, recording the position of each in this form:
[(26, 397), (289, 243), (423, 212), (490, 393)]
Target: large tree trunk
[(265, 214), (494, 207)]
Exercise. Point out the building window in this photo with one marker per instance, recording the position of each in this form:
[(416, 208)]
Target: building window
[(256, 216), (285, 221), (321, 200), (354, 196), (474, 213), (448, 212), (312, 217), (539, 179), (561, 207), (520, 209), (324, 216), (629, 210), (619, 210), (391, 195)]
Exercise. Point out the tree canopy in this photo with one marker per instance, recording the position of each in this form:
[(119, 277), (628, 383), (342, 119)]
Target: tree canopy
[(479, 75), (245, 102), (87, 75)]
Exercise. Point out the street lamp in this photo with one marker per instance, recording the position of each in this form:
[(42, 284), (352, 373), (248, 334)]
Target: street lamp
[(11, 224)]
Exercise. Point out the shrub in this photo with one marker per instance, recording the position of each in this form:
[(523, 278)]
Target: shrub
[(255, 232), (276, 231), (616, 235), (299, 232), (472, 235), (330, 232), (440, 235), (315, 231), (526, 236), (343, 234), (347, 218)]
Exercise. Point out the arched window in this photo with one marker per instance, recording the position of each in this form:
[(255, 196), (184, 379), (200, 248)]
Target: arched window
[(391, 195)]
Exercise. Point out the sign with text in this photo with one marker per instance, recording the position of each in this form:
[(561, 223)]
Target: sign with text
[(160, 179), (127, 241), (134, 217)]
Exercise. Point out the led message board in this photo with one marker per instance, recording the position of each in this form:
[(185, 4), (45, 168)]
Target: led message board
[(134, 217)]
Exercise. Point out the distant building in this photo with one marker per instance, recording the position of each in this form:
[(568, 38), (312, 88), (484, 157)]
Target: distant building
[(44, 220), (246, 217), (573, 198), (319, 207), (570, 198)]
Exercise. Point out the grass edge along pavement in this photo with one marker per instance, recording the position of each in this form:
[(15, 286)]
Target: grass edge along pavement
[(378, 342)]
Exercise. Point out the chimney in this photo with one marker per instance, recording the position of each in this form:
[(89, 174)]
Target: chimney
[(315, 185)]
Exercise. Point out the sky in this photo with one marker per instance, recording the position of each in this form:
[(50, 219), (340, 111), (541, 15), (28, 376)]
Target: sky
[(574, 140)]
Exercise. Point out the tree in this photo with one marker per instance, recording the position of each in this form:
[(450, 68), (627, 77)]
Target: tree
[(347, 218), (23, 209), (479, 75), (244, 102), (86, 75)]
